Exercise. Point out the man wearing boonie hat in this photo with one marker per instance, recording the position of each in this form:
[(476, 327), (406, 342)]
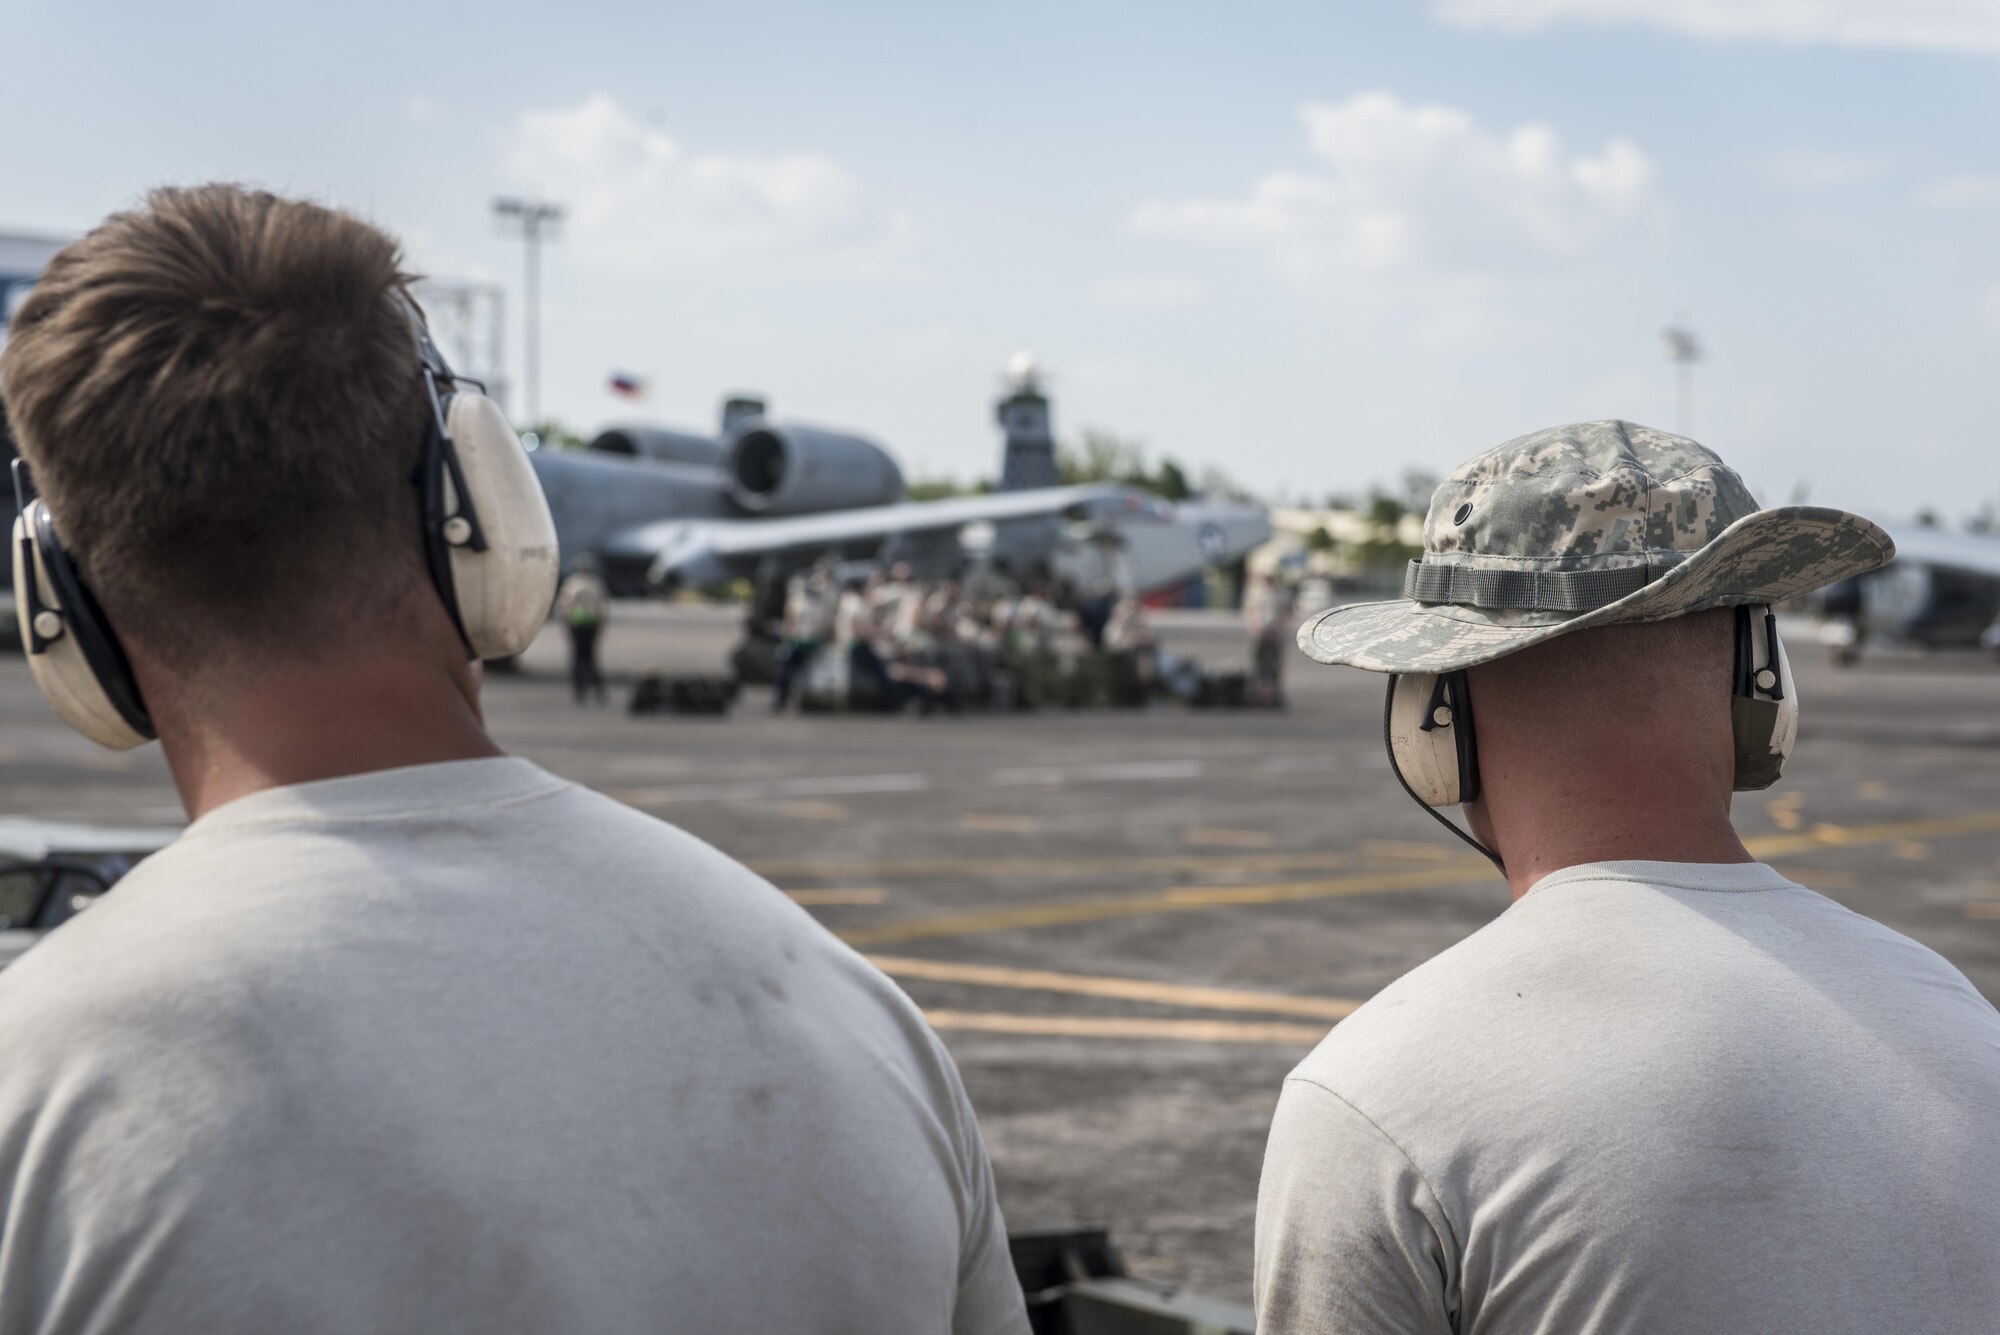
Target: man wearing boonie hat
[(1668, 1089)]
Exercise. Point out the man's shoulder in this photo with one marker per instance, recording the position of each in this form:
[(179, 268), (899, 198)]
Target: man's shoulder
[(1693, 949), (1409, 1031), (124, 998), (1521, 972), (231, 899)]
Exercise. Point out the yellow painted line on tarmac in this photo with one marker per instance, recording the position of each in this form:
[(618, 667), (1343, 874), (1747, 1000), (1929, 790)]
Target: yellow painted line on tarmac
[(1183, 899), (857, 895), (1227, 838), (1462, 871), (1120, 989), (1784, 811), (1406, 848), (1141, 865), (999, 824), (1767, 846), (1104, 1026)]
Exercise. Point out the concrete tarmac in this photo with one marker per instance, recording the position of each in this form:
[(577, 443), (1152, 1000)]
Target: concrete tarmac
[(1128, 927)]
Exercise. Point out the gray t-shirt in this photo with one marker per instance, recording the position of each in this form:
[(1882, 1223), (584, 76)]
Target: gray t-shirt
[(1654, 1097), (464, 1047)]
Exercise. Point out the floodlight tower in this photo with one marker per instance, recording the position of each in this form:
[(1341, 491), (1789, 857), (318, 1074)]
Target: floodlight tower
[(533, 219), (1684, 351)]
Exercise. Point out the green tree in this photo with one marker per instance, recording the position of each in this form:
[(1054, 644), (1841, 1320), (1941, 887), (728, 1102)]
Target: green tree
[(1100, 457), (1385, 513), (932, 489), (1385, 546), (1216, 483)]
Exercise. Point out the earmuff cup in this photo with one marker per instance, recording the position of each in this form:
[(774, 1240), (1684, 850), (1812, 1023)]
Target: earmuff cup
[(1764, 718), (1431, 749), (73, 655), (492, 545)]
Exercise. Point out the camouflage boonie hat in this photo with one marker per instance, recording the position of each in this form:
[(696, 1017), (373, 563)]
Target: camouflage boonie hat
[(1582, 526)]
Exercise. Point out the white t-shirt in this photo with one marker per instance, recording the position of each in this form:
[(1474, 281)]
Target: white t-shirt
[(1652, 1097), (465, 1047)]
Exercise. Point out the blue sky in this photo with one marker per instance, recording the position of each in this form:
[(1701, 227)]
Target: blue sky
[(1311, 245)]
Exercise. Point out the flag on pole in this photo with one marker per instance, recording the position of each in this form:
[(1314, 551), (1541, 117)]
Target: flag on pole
[(627, 386)]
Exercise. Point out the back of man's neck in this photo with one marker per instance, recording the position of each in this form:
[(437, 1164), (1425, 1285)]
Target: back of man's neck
[(1579, 824), (305, 721)]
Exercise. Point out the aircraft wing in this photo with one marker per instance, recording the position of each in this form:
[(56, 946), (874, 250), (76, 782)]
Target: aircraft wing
[(1972, 553), (708, 551)]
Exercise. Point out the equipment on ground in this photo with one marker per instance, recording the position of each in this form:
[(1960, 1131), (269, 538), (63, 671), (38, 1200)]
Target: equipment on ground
[(1076, 1284), (661, 694), (50, 871)]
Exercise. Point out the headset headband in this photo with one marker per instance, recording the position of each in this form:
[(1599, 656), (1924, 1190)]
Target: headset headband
[(427, 349)]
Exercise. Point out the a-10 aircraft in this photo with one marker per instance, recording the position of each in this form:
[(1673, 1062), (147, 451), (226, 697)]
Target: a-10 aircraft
[(1941, 591), (661, 509)]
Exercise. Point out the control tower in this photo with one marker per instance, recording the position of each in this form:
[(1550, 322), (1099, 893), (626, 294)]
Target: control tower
[(1030, 458)]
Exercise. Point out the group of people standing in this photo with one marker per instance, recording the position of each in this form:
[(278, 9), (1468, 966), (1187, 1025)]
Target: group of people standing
[(891, 642), (888, 641)]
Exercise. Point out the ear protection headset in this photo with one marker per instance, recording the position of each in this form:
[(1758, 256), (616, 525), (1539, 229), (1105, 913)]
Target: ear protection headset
[(1427, 724), (489, 544)]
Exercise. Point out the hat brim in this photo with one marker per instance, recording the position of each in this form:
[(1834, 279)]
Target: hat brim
[(1766, 557)]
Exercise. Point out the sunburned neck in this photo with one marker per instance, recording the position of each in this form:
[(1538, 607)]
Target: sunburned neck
[(298, 722), (1575, 817), (1616, 745)]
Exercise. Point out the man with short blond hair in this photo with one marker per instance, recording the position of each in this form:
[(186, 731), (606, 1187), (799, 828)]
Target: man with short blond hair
[(1668, 1090), (404, 1034)]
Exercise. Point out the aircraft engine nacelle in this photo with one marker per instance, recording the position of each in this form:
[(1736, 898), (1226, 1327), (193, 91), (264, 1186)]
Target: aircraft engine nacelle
[(789, 470), (658, 443)]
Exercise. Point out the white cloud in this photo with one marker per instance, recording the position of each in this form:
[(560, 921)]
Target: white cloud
[(1964, 191), (1946, 25), (1402, 187), (636, 201), (419, 108), (1147, 292), (1990, 304)]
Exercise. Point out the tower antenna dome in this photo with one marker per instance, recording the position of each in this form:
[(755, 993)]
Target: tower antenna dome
[(1022, 372)]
